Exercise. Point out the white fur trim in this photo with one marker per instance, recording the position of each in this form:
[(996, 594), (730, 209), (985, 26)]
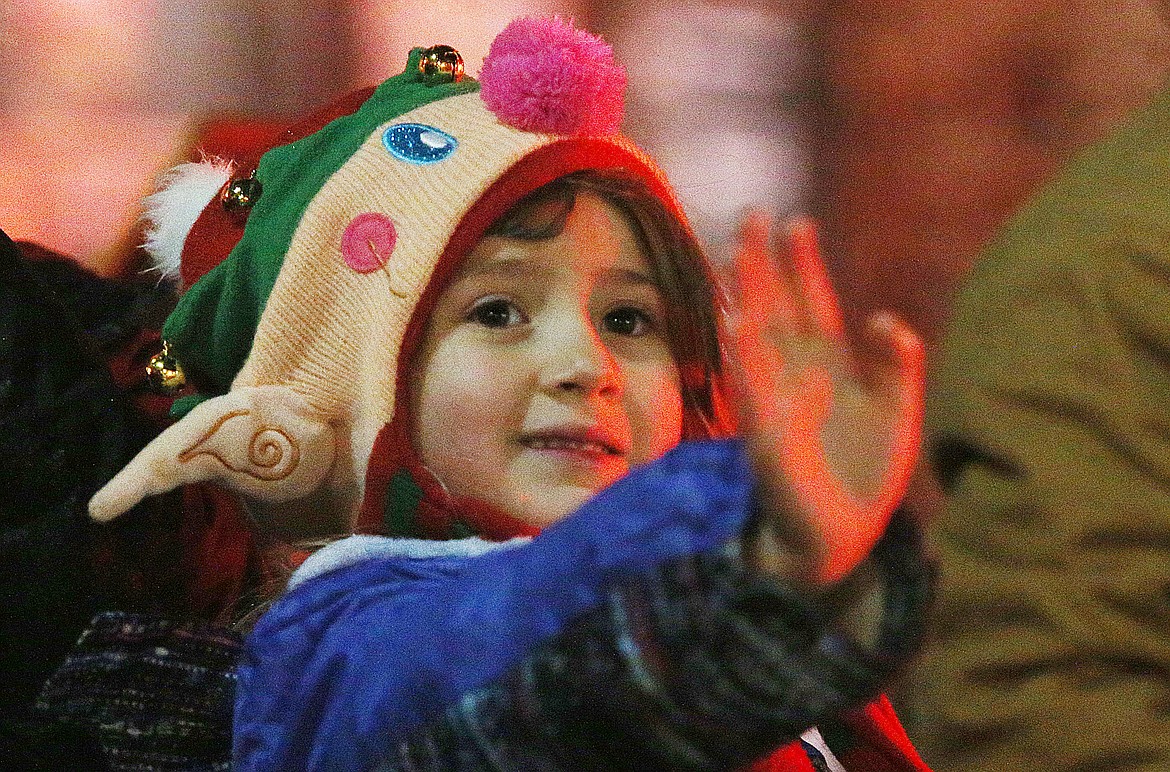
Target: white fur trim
[(356, 549), (171, 212)]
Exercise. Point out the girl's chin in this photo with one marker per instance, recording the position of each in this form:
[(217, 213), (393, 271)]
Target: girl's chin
[(544, 491), (546, 506)]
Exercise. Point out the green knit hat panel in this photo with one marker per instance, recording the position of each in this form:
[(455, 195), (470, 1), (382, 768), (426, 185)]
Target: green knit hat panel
[(212, 328)]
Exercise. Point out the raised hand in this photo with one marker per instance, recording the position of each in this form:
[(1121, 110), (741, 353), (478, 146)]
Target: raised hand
[(833, 444)]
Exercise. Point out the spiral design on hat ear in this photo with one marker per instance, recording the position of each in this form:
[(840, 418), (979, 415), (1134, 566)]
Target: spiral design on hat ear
[(264, 442), (272, 453)]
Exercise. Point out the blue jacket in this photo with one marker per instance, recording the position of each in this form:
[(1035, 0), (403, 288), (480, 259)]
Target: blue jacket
[(352, 660)]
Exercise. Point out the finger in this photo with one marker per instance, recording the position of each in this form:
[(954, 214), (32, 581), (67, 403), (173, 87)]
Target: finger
[(817, 293), (904, 376), (752, 357), (764, 298)]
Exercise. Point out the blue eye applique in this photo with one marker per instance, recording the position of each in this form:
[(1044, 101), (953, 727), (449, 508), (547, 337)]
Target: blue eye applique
[(417, 143)]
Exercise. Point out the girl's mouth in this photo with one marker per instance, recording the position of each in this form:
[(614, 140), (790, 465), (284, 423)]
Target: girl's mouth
[(590, 447), (588, 442)]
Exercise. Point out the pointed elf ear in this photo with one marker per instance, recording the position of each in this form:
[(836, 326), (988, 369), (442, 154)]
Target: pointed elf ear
[(264, 442)]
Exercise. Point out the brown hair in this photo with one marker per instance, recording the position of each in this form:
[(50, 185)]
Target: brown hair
[(680, 268)]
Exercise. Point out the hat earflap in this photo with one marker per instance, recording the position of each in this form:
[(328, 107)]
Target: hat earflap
[(265, 442), (184, 192)]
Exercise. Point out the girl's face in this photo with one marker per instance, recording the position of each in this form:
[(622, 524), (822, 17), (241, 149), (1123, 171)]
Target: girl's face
[(545, 372)]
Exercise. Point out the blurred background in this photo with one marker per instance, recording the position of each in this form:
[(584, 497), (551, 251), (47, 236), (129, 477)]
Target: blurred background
[(910, 127)]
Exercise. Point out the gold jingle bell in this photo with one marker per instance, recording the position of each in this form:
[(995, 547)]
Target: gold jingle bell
[(241, 193), (441, 64), (163, 374)]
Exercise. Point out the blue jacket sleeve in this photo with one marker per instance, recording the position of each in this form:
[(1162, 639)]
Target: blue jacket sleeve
[(352, 661)]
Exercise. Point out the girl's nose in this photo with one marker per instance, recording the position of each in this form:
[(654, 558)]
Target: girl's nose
[(581, 363)]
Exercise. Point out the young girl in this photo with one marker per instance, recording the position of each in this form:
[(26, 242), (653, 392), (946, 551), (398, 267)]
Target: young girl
[(474, 310)]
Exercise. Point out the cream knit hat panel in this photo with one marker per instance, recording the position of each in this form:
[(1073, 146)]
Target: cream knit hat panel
[(334, 334)]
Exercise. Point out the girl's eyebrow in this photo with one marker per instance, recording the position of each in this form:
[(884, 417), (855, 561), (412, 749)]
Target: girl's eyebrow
[(518, 267), (504, 267), (630, 276)]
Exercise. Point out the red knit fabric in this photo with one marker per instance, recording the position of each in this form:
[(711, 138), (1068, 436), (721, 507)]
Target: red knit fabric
[(884, 746), (786, 758), (438, 511), (219, 549)]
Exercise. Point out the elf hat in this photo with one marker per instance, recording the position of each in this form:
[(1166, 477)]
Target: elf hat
[(293, 338)]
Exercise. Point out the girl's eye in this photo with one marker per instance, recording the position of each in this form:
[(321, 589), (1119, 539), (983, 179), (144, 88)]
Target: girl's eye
[(495, 313), (627, 321)]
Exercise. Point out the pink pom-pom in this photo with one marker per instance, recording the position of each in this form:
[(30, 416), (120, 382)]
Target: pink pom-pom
[(543, 75)]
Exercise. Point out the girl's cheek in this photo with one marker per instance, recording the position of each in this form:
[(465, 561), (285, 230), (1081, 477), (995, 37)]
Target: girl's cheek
[(671, 417), (657, 417), (479, 388)]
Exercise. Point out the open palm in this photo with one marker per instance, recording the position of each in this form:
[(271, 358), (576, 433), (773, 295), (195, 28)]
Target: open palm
[(833, 444)]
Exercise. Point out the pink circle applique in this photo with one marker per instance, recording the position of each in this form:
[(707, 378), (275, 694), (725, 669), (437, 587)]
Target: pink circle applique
[(368, 242)]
